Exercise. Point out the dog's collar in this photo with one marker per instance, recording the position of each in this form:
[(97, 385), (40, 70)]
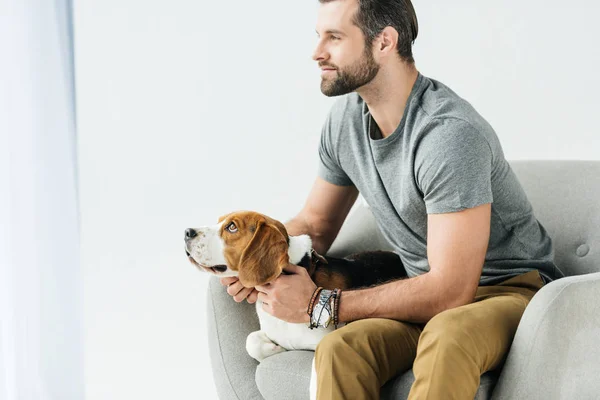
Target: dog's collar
[(311, 260)]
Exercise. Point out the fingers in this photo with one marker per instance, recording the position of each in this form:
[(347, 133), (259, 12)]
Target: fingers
[(252, 297), (263, 288), (228, 281), (235, 288), (244, 293)]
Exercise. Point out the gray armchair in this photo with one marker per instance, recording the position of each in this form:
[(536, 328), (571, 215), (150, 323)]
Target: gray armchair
[(556, 350)]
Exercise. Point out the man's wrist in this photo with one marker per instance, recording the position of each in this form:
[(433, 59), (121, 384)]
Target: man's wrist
[(323, 308)]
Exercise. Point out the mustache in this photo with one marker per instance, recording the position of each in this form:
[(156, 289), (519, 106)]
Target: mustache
[(327, 65)]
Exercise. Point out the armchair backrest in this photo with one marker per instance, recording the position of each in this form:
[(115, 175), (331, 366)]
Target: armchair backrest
[(565, 196)]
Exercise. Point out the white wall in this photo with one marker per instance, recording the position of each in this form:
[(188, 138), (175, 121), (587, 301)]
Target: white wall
[(530, 67), (188, 110)]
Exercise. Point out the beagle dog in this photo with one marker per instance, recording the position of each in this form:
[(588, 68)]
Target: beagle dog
[(256, 249)]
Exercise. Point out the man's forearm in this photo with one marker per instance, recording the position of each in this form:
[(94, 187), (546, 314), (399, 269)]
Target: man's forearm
[(321, 240), (412, 300)]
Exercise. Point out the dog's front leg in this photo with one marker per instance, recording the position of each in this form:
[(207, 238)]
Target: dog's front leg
[(259, 346)]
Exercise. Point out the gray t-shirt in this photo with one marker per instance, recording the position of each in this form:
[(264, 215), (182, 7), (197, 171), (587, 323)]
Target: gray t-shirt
[(443, 157)]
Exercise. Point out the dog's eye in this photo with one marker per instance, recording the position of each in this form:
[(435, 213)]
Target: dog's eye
[(232, 228)]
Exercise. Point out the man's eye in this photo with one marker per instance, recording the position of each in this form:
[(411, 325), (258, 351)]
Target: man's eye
[(232, 228), (335, 38)]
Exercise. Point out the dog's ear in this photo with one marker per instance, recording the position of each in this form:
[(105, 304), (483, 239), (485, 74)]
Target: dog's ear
[(265, 256)]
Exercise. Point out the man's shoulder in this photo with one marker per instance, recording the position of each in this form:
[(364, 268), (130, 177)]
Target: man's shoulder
[(439, 101), (447, 112)]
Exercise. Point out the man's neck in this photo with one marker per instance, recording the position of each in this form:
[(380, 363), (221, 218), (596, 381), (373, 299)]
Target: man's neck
[(387, 94)]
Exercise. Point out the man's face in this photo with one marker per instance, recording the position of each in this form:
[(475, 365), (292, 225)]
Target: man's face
[(346, 62)]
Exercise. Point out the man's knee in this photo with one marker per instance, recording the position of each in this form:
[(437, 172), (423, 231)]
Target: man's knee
[(333, 342), (447, 330)]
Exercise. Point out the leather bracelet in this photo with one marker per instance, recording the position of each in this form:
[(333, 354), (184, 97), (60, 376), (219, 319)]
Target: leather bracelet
[(336, 308), (332, 305), (311, 303)]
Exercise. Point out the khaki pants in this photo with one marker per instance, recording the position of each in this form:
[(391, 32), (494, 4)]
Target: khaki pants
[(448, 354)]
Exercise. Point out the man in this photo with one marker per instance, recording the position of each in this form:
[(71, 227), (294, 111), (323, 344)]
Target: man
[(434, 174)]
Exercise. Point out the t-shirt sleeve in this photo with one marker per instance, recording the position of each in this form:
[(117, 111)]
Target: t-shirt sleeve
[(453, 166), (330, 168)]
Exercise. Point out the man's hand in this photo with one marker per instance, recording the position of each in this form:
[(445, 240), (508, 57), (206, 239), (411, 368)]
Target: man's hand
[(238, 291), (287, 296)]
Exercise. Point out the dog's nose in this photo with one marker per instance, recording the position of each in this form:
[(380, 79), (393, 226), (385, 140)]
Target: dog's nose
[(190, 233)]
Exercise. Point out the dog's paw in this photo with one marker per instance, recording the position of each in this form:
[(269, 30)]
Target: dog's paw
[(259, 346)]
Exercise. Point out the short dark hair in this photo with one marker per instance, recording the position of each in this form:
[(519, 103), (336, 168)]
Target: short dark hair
[(373, 16)]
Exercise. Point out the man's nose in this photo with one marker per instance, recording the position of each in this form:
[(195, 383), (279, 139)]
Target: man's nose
[(319, 53), (190, 233)]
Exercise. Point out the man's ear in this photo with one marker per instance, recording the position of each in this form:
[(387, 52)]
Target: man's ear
[(387, 41), (265, 257)]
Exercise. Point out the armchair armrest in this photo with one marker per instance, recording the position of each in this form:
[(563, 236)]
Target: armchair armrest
[(556, 350), (229, 323)]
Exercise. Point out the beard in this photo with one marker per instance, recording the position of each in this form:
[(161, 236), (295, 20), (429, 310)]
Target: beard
[(351, 78)]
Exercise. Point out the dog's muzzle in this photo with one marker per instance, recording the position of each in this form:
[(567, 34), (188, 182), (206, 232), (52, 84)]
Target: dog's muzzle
[(190, 234)]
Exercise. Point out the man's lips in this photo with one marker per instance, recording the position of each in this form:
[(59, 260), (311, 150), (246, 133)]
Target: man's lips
[(325, 71)]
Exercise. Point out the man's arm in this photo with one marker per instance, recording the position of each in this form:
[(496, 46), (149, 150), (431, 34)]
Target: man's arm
[(323, 214), (456, 247)]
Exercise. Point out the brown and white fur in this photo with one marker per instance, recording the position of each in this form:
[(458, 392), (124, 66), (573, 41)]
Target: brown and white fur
[(256, 248)]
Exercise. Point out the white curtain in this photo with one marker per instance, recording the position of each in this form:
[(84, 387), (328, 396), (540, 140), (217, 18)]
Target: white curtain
[(41, 345)]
